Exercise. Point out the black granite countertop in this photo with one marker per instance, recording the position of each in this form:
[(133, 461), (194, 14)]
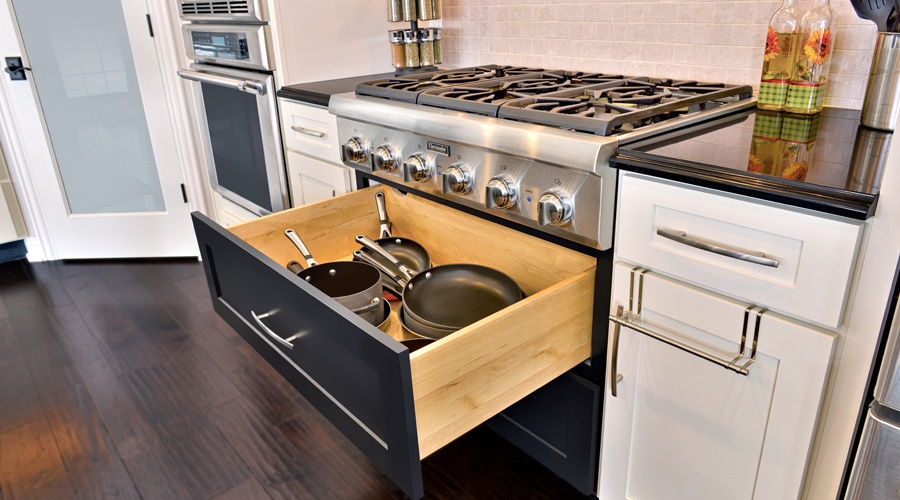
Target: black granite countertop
[(826, 162), (320, 92)]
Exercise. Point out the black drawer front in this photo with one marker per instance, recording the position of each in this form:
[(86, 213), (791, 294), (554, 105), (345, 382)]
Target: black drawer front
[(558, 426), (341, 364)]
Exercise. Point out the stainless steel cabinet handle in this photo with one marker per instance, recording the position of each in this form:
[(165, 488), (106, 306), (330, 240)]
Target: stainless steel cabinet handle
[(627, 320), (306, 131), (614, 376), (251, 86), (267, 331), (754, 257)]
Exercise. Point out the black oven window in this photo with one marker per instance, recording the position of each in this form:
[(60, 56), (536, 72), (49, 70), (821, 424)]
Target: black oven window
[(237, 145)]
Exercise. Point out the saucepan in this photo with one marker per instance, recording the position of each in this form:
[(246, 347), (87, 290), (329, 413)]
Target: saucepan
[(445, 298), (409, 252), (354, 285)]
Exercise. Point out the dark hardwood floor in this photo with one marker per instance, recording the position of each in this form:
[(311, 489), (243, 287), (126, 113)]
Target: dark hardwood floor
[(117, 380)]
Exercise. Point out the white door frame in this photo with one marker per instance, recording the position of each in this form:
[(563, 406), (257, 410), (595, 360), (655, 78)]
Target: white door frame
[(170, 58)]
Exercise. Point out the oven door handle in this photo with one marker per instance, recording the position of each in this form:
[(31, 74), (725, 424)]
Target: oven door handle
[(251, 86)]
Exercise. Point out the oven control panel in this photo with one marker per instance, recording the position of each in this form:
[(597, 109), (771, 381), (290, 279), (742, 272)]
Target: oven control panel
[(550, 198)]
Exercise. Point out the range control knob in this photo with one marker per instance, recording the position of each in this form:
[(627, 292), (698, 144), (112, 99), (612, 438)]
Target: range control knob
[(500, 192), (385, 159), (417, 168), (554, 208), (355, 150), (457, 179)]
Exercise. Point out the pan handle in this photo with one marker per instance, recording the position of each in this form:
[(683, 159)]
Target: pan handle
[(371, 306), (375, 247), (295, 239), (368, 259), (385, 231)]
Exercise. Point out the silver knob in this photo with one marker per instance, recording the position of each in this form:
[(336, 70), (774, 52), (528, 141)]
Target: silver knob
[(500, 192), (416, 168), (554, 209), (457, 179), (385, 159), (355, 151)]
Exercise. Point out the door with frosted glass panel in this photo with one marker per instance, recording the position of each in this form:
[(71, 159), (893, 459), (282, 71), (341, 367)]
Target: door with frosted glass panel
[(103, 159)]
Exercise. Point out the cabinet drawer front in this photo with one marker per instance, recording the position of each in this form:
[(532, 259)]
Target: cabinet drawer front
[(713, 234), (338, 362), (309, 129), (400, 407)]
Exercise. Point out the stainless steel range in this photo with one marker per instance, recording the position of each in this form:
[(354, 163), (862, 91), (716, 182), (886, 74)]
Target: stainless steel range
[(524, 144)]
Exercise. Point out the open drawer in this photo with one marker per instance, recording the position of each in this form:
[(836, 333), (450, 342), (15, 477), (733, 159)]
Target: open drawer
[(398, 407)]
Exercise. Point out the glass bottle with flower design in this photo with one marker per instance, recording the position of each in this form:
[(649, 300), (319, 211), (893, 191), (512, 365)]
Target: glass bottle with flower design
[(812, 59), (778, 59)]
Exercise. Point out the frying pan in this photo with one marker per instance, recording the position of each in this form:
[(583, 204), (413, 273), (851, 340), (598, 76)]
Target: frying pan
[(354, 285), (451, 296), (407, 251)]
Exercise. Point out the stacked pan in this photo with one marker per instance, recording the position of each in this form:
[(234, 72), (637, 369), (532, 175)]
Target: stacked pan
[(440, 300)]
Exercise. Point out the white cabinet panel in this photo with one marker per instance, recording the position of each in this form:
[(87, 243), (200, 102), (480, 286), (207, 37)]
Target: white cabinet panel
[(815, 255), (309, 129), (313, 180), (683, 427)]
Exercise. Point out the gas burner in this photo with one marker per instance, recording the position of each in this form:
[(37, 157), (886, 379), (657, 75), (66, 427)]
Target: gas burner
[(614, 108)]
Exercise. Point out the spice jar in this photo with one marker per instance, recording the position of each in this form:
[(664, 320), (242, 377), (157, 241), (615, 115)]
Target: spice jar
[(436, 6), (398, 48), (394, 11), (426, 48), (426, 10), (411, 48), (408, 8), (436, 42)]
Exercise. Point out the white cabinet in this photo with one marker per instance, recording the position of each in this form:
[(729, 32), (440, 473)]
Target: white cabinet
[(681, 426), (313, 180), (790, 261), (312, 153)]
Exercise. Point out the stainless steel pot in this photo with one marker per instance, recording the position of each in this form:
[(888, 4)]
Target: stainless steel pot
[(354, 285)]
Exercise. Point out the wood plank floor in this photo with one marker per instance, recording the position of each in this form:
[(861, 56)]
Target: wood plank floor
[(117, 380)]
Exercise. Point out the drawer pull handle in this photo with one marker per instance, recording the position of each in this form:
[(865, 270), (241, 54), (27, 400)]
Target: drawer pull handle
[(306, 131), (270, 333), (754, 257), (614, 376), (628, 320)]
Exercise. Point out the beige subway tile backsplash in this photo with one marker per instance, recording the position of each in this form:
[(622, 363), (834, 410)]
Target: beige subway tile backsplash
[(695, 39)]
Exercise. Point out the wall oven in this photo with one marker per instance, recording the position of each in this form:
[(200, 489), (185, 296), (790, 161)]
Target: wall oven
[(237, 114)]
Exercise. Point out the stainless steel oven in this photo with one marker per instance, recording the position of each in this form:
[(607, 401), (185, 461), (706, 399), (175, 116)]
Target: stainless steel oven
[(239, 123), (237, 113)]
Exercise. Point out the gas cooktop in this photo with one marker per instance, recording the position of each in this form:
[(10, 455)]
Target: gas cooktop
[(597, 103)]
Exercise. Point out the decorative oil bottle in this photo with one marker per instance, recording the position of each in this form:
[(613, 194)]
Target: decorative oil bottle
[(778, 58), (813, 50)]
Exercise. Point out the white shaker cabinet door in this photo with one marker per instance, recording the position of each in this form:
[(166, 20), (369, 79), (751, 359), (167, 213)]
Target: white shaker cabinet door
[(683, 427), (313, 180)]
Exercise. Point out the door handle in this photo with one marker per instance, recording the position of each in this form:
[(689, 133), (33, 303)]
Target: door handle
[(614, 377), (754, 257), (251, 86), (285, 342), (307, 131), (15, 68)]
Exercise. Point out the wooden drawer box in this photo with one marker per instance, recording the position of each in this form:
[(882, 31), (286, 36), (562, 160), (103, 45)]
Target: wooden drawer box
[(398, 407), (815, 254), (309, 129)]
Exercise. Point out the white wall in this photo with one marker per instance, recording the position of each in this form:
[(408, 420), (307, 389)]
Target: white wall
[(695, 39)]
